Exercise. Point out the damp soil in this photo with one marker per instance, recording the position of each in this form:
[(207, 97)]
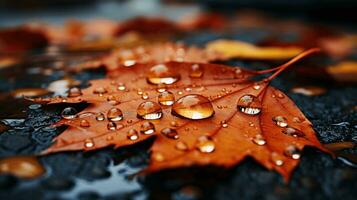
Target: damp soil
[(107, 173)]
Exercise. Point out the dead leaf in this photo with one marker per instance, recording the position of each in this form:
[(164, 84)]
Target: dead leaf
[(239, 49), (200, 114)]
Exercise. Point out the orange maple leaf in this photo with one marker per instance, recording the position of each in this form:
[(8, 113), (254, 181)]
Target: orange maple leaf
[(200, 114)]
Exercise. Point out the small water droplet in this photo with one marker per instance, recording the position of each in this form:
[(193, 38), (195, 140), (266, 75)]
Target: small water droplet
[(161, 88), (112, 126), (121, 87), (292, 152), (89, 143), (196, 71), (249, 104), (84, 123), (187, 129), (114, 114), (132, 134), (166, 98), (277, 159), (69, 113), (129, 63), (205, 144), (297, 120), (280, 121), (259, 140), (193, 106), (145, 95), (100, 117), (182, 146), (161, 74), (35, 106), (293, 132), (179, 92), (74, 92), (149, 110), (174, 124), (129, 121), (109, 138), (147, 128), (224, 124), (113, 100), (100, 91), (281, 95), (256, 87), (158, 157), (170, 133)]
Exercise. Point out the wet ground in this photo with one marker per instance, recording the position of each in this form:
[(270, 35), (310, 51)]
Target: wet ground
[(106, 173)]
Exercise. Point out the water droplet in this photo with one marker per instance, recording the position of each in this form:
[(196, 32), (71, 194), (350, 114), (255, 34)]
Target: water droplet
[(112, 126), (158, 157), (293, 132), (109, 138), (170, 133), (145, 96), (100, 91), (121, 87), (114, 114), (100, 117), (280, 121), (281, 95), (113, 100), (182, 146), (69, 113), (196, 71), (129, 63), (132, 134), (193, 106), (277, 159), (174, 124), (205, 144), (259, 139), (35, 106), (297, 119), (166, 98), (161, 88), (224, 124), (147, 128), (89, 143), (149, 110), (292, 152), (74, 92), (256, 87), (249, 104), (84, 123), (129, 121), (161, 74)]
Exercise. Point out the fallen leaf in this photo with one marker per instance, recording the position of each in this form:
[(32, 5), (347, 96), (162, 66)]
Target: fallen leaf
[(200, 114), (22, 166), (239, 49)]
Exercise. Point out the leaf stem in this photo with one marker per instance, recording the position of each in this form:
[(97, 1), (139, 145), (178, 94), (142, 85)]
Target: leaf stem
[(292, 61)]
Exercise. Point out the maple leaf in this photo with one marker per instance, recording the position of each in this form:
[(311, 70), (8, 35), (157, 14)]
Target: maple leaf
[(200, 114)]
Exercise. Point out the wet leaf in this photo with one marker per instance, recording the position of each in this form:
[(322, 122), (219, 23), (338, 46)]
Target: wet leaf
[(239, 49), (200, 114)]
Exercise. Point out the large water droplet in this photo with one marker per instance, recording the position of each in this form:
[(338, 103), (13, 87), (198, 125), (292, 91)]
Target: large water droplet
[(193, 106), (259, 140), (166, 98), (249, 104), (69, 113), (170, 133), (114, 114), (205, 144), (132, 134), (84, 123), (161, 74), (147, 128), (149, 110), (292, 152), (74, 92), (280, 121), (196, 71), (89, 143)]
